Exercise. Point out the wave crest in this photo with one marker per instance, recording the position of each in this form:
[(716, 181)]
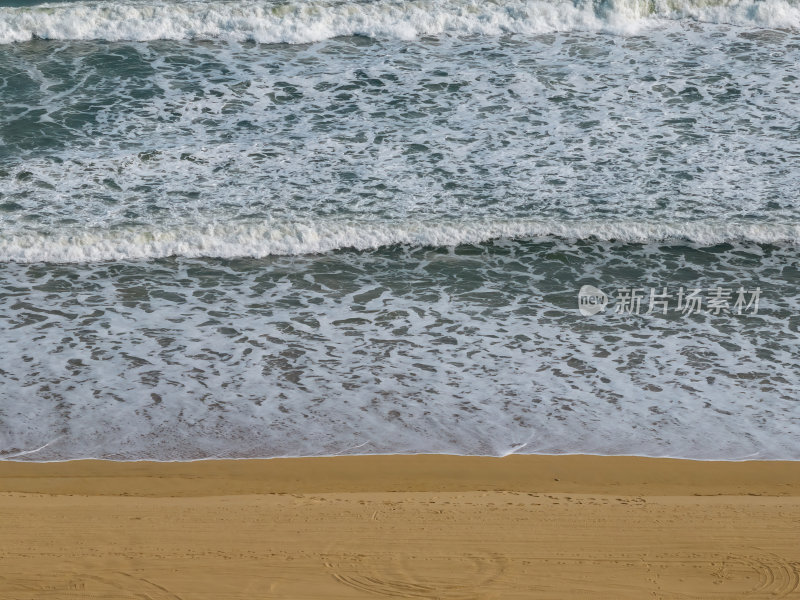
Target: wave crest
[(258, 240), (310, 21)]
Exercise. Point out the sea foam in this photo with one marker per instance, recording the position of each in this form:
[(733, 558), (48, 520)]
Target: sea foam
[(304, 22), (474, 351), (258, 240)]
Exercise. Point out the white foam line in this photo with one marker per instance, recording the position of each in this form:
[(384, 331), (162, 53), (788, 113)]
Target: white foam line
[(687, 457), (315, 20), (352, 448), (262, 239), (29, 452)]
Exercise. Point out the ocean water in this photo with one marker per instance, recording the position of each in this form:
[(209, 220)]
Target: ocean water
[(281, 228)]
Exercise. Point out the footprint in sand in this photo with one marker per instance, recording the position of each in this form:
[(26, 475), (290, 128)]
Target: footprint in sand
[(444, 577), (727, 576), (693, 576), (71, 585)]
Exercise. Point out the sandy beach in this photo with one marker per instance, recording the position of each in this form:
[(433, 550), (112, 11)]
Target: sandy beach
[(402, 527)]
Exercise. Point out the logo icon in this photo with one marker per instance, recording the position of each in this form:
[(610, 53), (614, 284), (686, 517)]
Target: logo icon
[(591, 300)]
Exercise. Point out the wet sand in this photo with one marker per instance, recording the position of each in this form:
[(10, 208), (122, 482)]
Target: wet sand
[(400, 527)]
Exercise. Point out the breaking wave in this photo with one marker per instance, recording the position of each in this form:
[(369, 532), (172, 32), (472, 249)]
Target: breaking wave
[(310, 21), (258, 240)]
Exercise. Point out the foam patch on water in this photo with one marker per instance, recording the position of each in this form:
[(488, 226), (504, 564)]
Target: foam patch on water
[(303, 22), (146, 149), (258, 240), (472, 350)]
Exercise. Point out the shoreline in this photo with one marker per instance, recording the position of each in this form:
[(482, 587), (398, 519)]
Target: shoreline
[(409, 473), (421, 526), (15, 458)]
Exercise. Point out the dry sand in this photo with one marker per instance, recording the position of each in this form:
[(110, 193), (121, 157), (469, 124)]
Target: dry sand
[(400, 527)]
